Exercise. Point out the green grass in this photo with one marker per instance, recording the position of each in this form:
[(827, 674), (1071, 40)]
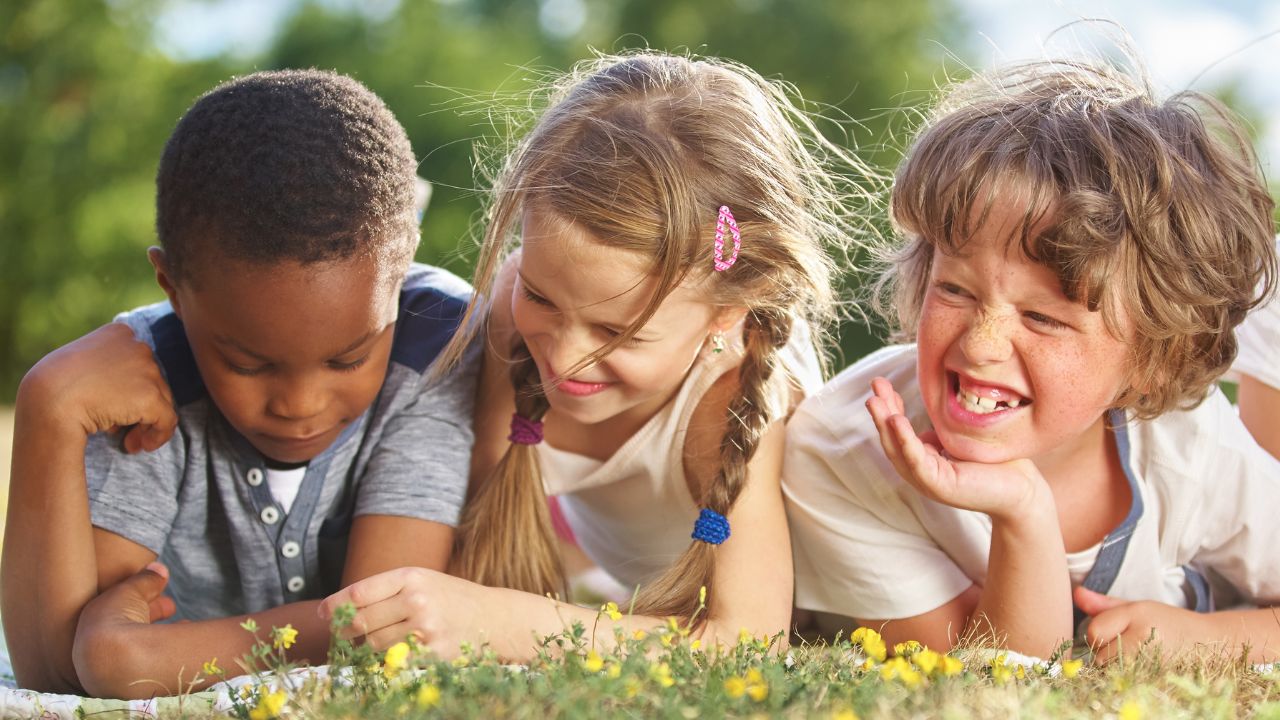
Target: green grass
[(664, 675)]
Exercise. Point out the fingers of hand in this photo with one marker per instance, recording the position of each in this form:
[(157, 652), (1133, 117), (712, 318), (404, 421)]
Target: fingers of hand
[(371, 620), (1108, 634), (388, 636), (162, 608), (1095, 603), (366, 592)]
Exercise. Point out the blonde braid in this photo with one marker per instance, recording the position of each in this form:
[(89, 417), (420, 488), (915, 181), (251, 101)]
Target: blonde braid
[(675, 593), (510, 510)]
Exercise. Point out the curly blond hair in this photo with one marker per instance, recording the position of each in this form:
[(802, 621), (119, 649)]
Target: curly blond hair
[(1152, 210)]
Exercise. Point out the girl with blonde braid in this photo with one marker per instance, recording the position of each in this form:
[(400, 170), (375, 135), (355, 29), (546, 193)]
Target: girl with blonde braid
[(651, 279)]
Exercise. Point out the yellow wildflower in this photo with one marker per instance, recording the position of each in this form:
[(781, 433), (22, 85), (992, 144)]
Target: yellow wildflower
[(661, 674), (908, 648), (615, 671), (639, 635), (672, 625), (744, 636), (867, 665), (396, 658), (211, 668), (633, 687), (702, 596), (1130, 710), (1071, 668), (757, 689), (1020, 672), (668, 640), (696, 645), (735, 687), (269, 706), (283, 638), (611, 609), (872, 644), (951, 666), (461, 661), (593, 662), (845, 714), (898, 668), (925, 659), (428, 696)]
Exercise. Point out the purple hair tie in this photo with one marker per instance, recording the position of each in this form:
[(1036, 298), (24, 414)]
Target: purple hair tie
[(525, 431)]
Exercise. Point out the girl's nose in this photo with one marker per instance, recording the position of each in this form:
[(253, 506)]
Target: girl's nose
[(568, 348)]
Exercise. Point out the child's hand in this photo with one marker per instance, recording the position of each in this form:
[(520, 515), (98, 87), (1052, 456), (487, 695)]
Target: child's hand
[(1123, 626), (107, 620), (102, 382), (439, 609), (1005, 490)]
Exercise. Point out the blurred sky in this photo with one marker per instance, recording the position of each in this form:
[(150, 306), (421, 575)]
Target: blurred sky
[(1207, 44)]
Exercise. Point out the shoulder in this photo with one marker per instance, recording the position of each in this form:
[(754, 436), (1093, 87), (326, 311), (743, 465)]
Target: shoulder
[(1194, 454), (432, 303), (158, 326), (837, 409)]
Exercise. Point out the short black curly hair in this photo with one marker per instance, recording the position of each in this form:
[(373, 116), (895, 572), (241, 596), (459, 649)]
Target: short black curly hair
[(292, 165)]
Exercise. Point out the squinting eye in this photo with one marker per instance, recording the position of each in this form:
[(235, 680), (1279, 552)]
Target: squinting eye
[(1044, 320), (531, 297)]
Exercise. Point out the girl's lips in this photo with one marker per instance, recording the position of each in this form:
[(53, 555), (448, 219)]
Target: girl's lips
[(578, 388)]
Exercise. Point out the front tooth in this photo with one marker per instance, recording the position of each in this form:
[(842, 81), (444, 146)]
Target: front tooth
[(987, 404)]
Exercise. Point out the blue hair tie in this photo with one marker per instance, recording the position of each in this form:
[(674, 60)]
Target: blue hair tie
[(711, 527)]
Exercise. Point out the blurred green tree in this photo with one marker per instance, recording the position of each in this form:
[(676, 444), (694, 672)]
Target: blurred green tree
[(87, 100), (86, 103)]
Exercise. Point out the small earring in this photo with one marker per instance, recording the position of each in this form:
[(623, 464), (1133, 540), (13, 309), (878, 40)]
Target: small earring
[(717, 342)]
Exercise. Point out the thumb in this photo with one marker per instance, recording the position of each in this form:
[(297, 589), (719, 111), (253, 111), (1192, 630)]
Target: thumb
[(149, 582), (1093, 603)]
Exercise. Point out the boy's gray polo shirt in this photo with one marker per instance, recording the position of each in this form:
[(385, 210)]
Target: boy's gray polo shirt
[(202, 504)]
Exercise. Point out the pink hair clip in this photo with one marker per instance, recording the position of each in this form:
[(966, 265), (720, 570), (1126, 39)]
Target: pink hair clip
[(726, 218)]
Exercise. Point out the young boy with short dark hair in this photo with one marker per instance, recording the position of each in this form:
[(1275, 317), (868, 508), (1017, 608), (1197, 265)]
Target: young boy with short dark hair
[(296, 442)]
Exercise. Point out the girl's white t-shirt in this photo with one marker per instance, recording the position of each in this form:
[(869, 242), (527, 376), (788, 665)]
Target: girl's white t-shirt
[(868, 545), (632, 514)]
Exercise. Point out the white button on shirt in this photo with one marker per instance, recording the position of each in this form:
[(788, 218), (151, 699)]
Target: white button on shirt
[(254, 477), (290, 549), (269, 515), (295, 584)]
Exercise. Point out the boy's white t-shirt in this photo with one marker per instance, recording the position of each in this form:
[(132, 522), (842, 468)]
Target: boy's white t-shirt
[(1259, 338), (868, 546), (284, 485)]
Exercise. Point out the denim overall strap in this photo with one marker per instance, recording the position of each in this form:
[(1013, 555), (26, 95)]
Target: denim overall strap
[(1114, 546)]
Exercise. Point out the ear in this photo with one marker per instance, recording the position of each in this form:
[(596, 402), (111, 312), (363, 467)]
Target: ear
[(164, 278), (726, 317)]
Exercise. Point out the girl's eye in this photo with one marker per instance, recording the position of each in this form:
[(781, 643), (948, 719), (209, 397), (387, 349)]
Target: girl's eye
[(1044, 320), (348, 366), (534, 298)]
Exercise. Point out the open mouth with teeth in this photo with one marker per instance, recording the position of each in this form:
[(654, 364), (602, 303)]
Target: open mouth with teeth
[(988, 400)]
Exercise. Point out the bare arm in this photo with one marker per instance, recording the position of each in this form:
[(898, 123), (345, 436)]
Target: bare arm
[(1260, 410), (1026, 602), (752, 589), (49, 571)]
